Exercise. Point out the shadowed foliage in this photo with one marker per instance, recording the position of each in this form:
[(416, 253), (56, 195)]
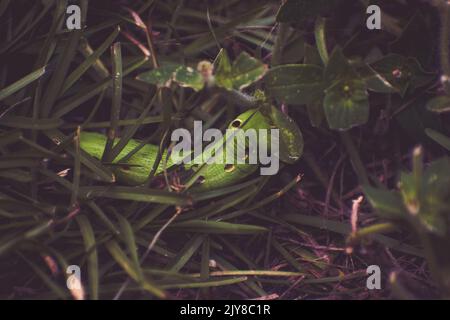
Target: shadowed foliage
[(86, 118)]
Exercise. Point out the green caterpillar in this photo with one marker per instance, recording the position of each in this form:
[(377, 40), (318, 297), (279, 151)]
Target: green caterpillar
[(213, 175)]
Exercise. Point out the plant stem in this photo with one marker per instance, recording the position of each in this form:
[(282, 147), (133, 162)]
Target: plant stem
[(373, 229), (324, 180), (239, 98), (277, 51), (444, 45), (355, 159)]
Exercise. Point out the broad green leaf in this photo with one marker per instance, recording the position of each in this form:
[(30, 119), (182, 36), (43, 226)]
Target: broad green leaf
[(315, 109), (416, 39), (401, 72), (388, 204), (376, 82), (295, 83), (244, 71), (315, 113), (182, 75), (346, 102), (346, 105), (415, 118), (301, 10), (293, 50), (435, 198), (291, 138), (223, 62), (247, 70), (439, 104), (338, 68), (426, 195), (188, 77), (160, 76), (410, 193), (437, 179), (312, 55), (434, 222), (223, 71)]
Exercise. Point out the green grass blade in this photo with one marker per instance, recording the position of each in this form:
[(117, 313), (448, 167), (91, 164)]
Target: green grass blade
[(129, 132), (217, 227), (135, 194), (20, 84), (204, 265), (117, 73), (90, 249), (439, 138), (7, 244), (30, 123), (103, 217), (186, 253), (65, 59), (128, 234), (87, 93), (121, 258), (76, 170), (345, 229), (107, 124), (83, 67), (289, 258), (56, 289), (205, 284), (90, 162)]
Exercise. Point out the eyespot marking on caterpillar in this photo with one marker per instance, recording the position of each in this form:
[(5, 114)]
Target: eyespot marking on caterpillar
[(201, 180), (125, 168), (229, 167), (236, 123)]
